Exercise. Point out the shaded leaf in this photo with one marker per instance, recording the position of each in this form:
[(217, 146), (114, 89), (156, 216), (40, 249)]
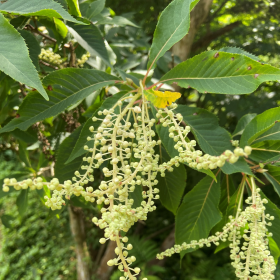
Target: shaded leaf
[(273, 210), (46, 8), (264, 151), (211, 138), (271, 134), (259, 125), (273, 176), (78, 149), (171, 186), (62, 170), (22, 202), (90, 38), (220, 72), (242, 124), (172, 26), (68, 87), (6, 220), (90, 10), (14, 57), (116, 20), (33, 46), (198, 212)]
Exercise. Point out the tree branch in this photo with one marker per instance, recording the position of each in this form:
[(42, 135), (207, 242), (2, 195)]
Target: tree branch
[(47, 64), (34, 30), (207, 39)]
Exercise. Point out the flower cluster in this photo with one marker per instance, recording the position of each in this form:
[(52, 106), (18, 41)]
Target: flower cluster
[(50, 57), (187, 153), (84, 58), (122, 143), (250, 258)]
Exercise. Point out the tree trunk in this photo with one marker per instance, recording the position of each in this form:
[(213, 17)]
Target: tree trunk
[(198, 16), (104, 271), (77, 229)]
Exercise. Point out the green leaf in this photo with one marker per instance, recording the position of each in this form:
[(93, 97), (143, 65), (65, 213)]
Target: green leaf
[(73, 6), (239, 51), (274, 249), (272, 134), (273, 210), (227, 191), (78, 149), (173, 25), (23, 154), (6, 220), (231, 207), (46, 8), (259, 125), (90, 10), (116, 20), (211, 138), (22, 202), (267, 150), (64, 171), (220, 72), (168, 144), (68, 87), (172, 185), (273, 176), (198, 213), (90, 38), (33, 46), (14, 57), (242, 124), (60, 27), (19, 22)]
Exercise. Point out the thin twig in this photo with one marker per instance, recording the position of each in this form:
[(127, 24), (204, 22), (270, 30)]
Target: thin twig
[(34, 30), (47, 64)]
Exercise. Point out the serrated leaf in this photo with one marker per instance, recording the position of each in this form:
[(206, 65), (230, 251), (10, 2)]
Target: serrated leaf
[(242, 124), (173, 25), (211, 138), (171, 186), (79, 146), (46, 8), (273, 210), (220, 72), (73, 6), (22, 202), (14, 57), (68, 87), (161, 99), (90, 10), (259, 125), (62, 170), (273, 176), (198, 212), (239, 51), (33, 46), (90, 38)]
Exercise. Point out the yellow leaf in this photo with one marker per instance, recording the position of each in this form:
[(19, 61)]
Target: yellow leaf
[(161, 99)]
